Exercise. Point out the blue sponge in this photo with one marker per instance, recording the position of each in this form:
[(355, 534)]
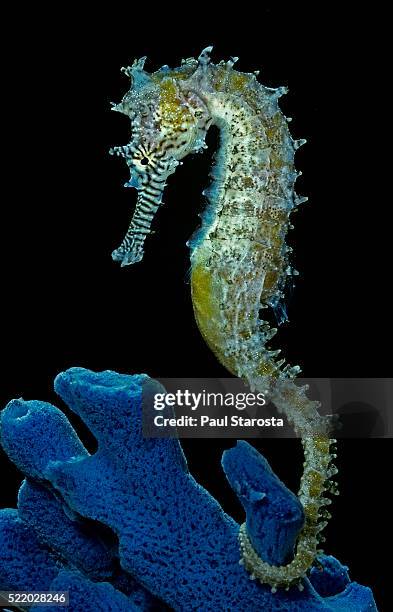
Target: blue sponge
[(25, 563), (87, 595), (81, 544), (173, 537)]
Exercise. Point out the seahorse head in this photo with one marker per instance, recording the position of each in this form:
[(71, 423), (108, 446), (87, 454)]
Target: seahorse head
[(168, 121)]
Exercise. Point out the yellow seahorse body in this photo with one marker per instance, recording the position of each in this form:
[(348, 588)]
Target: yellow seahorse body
[(239, 257)]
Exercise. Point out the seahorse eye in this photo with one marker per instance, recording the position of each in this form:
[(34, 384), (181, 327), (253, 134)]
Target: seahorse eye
[(144, 161)]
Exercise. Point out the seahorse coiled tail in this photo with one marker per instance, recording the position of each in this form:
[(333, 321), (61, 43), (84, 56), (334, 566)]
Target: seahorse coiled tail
[(239, 257)]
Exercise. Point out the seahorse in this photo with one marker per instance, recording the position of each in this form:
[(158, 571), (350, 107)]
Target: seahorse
[(239, 256)]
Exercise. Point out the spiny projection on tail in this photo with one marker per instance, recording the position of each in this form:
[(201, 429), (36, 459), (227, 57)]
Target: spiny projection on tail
[(239, 256)]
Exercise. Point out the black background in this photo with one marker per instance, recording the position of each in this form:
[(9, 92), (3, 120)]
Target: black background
[(66, 303)]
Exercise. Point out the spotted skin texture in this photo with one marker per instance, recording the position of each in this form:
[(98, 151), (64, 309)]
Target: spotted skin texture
[(239, 255), (170, 534)]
